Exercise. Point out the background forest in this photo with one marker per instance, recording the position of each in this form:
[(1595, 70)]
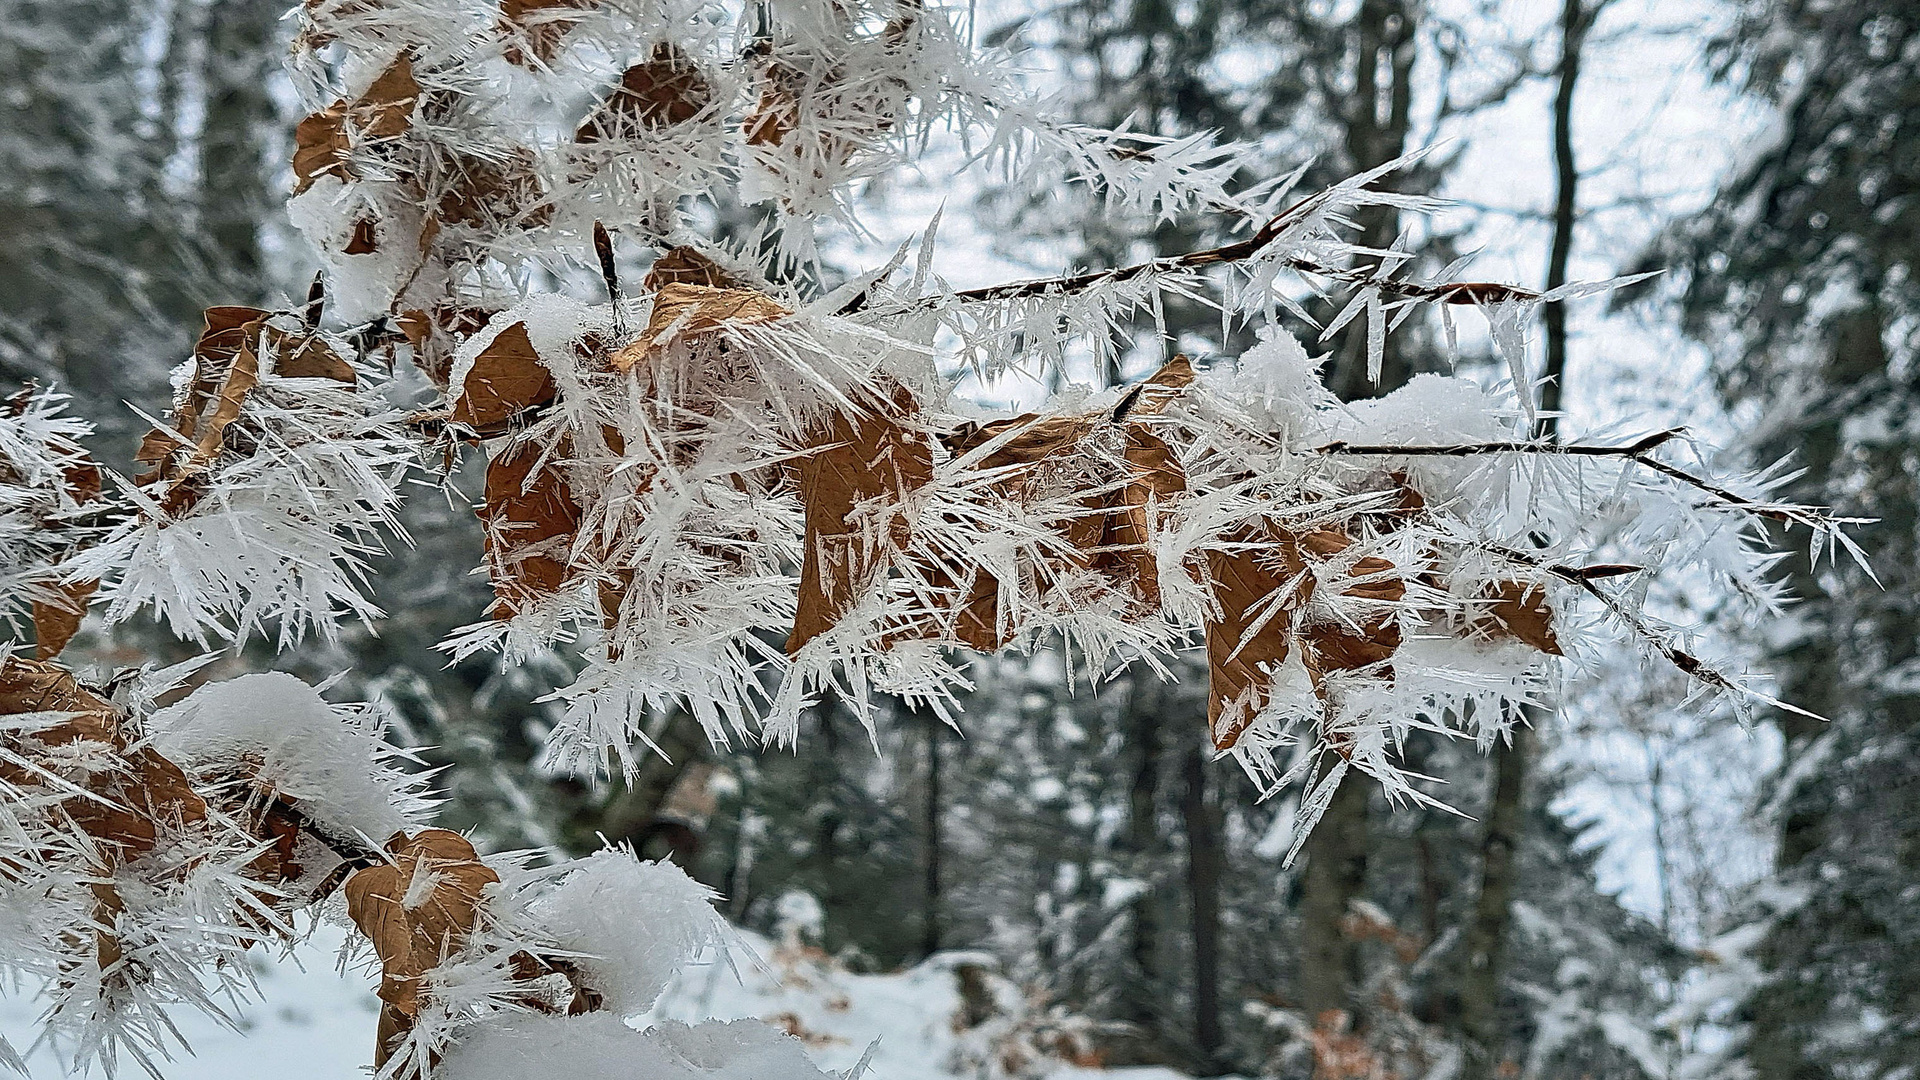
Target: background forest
[(1637, 886)]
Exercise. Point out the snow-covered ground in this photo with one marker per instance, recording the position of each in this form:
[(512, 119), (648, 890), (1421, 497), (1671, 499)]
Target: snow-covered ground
[(313, 1022)]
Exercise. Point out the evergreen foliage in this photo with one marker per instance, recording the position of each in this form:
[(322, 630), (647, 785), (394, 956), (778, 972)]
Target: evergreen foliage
[(1802, 278)]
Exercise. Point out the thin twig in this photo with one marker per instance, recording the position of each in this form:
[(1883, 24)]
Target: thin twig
[(316, 301), (1584, 577), (354, 852), (1638, 452), (1633, 449), (603, 249), (1454, 292)]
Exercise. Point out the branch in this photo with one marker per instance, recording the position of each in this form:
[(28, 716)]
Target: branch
[(1456, 292), (355, 852), (1687, 663), (1630, 450), (1638, 452)]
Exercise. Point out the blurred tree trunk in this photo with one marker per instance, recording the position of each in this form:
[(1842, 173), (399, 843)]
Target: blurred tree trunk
[(1491, 923), (1378, 119), (930, 883), (1142, 998), (1377, 124), (1335, 876), (241, 61), (1486, 932), (636, 804), (1206, 863)]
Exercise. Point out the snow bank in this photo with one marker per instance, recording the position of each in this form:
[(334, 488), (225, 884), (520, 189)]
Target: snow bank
[(598, 1046)]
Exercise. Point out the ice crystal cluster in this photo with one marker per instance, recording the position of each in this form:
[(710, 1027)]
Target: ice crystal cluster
[(736, 489), (736, 484), (47, 482)]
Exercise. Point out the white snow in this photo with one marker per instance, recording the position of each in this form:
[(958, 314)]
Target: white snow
[(329, 761), (314, 1022), (635, 925)]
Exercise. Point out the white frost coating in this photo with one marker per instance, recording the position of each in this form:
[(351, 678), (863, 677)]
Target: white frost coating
[(635, 925), (361, 288), (284, 527), (1430, 409), (38, 444), (1276, 383), (330, 761), (598, 1046)]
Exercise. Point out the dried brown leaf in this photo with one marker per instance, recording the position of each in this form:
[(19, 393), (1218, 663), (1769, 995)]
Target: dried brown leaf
[(488, 194), (1125, 551), (415, 923), (1334, 646), (436, 335), (1245, 640), (1519, 611), (858, 462), (530, 522), (667, 88), (692, 310), (55, 622), (532, 23), (307, 356), (363, 241), (37, 686), (1034, 440), (323, 142), (507, 379), (1159, 390), (686, 266), (777, 113), (146, 796), (134, 794)]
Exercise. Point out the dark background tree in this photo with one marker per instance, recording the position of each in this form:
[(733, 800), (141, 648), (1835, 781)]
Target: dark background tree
[(1802, 279)]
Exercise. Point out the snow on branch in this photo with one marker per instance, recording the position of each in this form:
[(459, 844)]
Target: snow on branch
[(148, 849)]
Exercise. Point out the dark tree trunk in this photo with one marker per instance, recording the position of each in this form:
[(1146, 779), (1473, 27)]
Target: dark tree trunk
[(1142, 998), (1485, 942), (1487, 932), (1335, 875), (635, 805), (1376, 133), (930, 886), (1377, 123), (1575, 20), (1206, 863), (241, 61)]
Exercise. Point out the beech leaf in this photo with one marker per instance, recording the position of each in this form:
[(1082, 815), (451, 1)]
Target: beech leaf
[(507, 378)]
